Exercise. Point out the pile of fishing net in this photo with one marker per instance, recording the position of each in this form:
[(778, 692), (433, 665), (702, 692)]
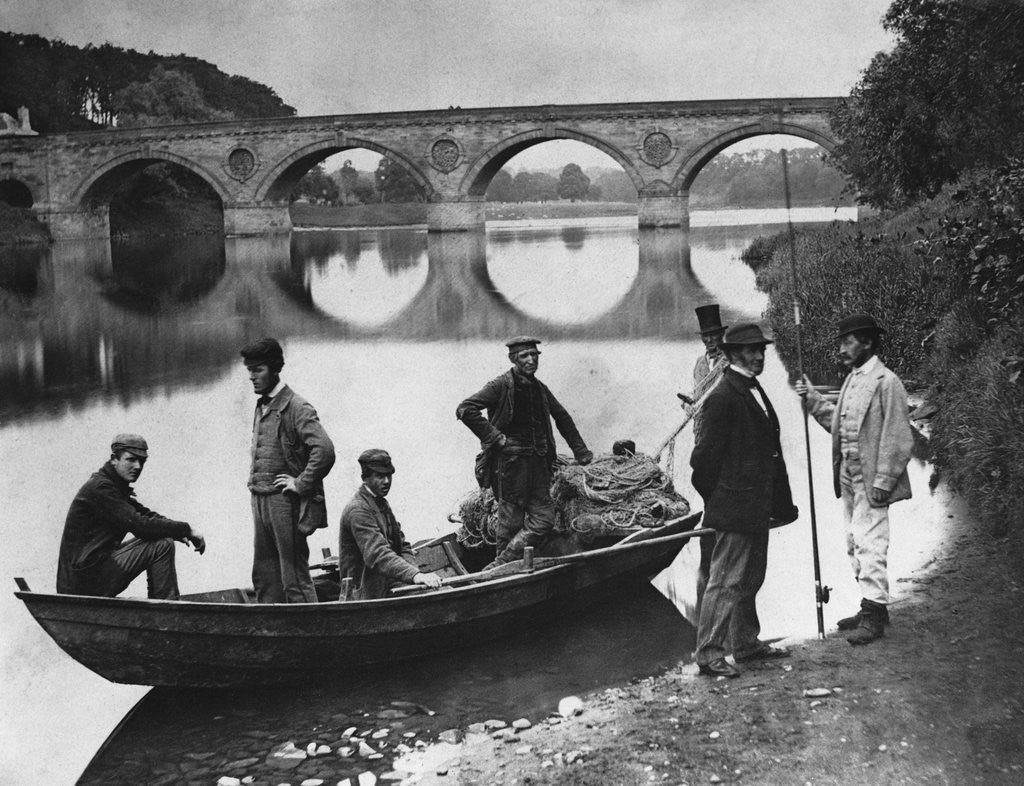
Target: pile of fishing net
[(612, 496)]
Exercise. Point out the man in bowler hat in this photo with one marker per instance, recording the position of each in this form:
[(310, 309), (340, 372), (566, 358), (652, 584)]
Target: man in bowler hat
[(291, 455), (739, 471), (94, 557), (373, 550), (871, 444), (518, 448)]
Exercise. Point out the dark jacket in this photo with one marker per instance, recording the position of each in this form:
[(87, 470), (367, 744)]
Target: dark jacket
[(373, 550), (102, 513), (737, 461), (498, 397), (308, 452)]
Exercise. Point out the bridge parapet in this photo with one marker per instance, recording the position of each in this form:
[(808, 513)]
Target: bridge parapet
[(253, 165)]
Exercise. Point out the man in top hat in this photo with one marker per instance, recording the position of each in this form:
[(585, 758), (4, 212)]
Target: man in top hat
[(711, 364), (373, 550), (739, 471), (94, 557), (518, 448), (291, 455), (706, 372), (871, 444)]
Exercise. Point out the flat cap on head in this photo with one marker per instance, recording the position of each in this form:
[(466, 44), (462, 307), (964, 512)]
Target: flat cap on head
[(856, 322), (744, 333), (264, 350), (377, 460), (133, 443), (709, 319), (520, 343)]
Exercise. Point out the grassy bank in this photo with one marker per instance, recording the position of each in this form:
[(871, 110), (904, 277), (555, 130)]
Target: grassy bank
[(406, 214), (18, 225), (945, 280)]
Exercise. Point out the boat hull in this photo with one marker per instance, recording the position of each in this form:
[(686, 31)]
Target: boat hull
[(182, 643)]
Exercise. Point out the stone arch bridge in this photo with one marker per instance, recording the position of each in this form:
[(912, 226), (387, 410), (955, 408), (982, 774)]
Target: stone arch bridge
[(68, 179)]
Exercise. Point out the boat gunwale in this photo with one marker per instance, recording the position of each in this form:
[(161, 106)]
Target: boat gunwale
[(446, 594)]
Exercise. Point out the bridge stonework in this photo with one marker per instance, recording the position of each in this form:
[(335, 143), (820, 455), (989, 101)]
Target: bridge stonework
[(453, 154)]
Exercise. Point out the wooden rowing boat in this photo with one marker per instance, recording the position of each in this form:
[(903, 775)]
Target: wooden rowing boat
[(220, 639)]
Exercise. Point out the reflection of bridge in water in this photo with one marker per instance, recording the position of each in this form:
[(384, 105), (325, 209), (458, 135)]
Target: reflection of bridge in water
[(80, 319)]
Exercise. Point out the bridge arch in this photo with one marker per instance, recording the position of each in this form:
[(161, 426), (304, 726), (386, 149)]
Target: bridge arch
[(278, 183), (98, 188), (691, 167), (488, 164), (16, 193)]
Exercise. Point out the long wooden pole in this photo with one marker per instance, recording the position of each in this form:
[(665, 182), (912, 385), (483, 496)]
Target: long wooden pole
[(820, 596)]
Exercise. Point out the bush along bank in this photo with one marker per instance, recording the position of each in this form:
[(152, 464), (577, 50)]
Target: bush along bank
[(946, 280)]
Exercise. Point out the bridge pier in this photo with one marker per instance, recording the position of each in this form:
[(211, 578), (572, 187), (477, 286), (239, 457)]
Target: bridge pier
[(453, 215), (663, 210), (73, 224), (246, 220)]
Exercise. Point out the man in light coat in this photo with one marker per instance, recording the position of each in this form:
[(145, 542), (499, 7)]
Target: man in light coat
[(871, 444)]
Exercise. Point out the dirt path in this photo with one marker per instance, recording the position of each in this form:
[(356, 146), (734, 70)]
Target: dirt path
[(939, 700)]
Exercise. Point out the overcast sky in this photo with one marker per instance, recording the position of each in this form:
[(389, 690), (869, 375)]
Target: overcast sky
[(342, 56)]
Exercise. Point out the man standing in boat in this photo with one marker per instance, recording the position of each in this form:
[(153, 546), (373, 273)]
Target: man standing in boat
[(739, 471), (871, 444), (518, 448), (373, 551), (291, 455), (94, 557)]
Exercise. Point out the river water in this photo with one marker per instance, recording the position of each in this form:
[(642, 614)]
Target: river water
[(385, 331)]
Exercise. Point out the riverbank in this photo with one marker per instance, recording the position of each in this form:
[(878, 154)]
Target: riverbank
[(939, 700)]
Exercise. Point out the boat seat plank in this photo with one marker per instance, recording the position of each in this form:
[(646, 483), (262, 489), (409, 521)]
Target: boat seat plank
[(453, 558)]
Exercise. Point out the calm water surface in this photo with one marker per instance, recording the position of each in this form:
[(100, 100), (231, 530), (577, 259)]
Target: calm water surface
[(384, 331)]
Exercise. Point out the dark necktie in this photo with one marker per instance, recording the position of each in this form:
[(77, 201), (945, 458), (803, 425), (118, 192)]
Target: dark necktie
[(263, 401)]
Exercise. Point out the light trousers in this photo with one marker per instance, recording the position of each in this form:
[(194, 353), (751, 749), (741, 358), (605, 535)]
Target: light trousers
[(867, 533)]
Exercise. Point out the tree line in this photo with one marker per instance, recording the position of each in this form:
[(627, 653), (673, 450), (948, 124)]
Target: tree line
[(71, 88), (750, 179)]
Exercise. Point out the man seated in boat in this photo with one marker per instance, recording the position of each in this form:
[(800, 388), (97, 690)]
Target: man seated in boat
[(373, 550), (94, 557)]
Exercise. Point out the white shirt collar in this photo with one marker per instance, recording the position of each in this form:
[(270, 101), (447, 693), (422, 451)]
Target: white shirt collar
[(868, 366), (277, 389), (741, 371)]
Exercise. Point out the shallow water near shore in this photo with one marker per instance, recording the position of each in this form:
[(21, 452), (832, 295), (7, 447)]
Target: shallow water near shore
[(384, 331)]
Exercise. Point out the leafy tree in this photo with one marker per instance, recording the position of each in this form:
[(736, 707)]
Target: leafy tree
[(316, 186), (948, 98), (348, 178), (573, 184), (167, 96), (395, 184)]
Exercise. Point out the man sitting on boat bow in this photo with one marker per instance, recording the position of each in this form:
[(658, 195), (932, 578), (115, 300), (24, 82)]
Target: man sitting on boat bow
[(373, 550), (93, 559)]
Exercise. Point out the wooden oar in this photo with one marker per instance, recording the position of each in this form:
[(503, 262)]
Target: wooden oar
[(518, 567)]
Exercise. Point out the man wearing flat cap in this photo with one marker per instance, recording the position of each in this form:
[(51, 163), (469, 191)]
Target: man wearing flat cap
[(518, 448), (95, 559), (871, 444), (739, 471), (291, 455), (373, 550)]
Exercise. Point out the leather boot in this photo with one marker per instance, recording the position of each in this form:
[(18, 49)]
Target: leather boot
[(872, 623), (511, 552), (850, 623)]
